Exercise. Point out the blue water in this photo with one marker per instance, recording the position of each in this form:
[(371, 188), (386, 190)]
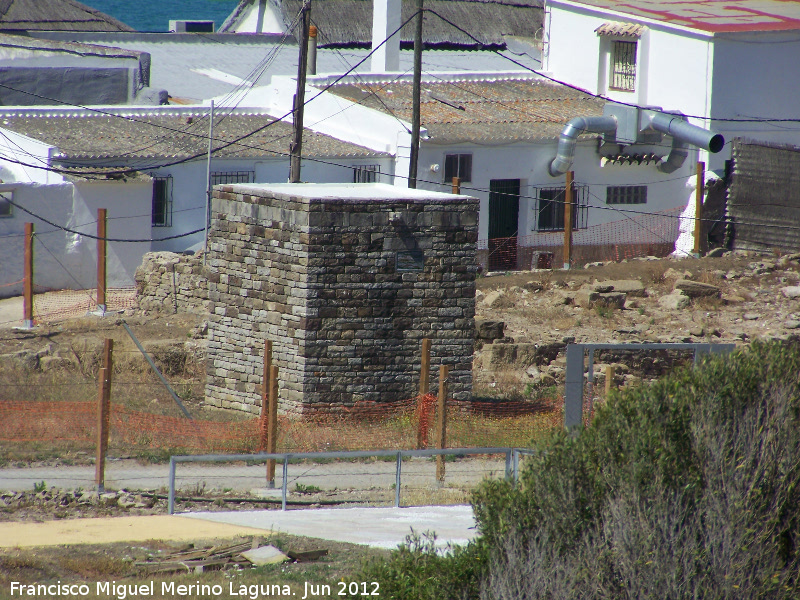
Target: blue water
[(154, 15)]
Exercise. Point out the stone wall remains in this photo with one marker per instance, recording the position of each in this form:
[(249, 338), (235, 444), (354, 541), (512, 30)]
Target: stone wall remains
[(345, 288), (172, 283)]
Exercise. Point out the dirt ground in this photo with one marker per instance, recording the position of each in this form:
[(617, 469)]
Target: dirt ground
[(541, 311), (123, 563)]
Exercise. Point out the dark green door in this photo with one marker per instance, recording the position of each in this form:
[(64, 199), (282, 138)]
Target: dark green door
[(503, 223)]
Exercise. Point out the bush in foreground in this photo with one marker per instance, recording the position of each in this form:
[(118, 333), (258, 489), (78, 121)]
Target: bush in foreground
[(687, 488)]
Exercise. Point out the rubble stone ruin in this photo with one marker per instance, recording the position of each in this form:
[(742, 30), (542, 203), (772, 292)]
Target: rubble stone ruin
[(345, 280)]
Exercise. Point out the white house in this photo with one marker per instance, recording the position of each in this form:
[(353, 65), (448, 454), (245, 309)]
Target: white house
[(147, 166), (729, 65), (67, 259), (499, 133)]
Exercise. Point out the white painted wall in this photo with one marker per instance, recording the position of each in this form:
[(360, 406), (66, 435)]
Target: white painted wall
[(260, 16), (742, 75), (530, 162), (189, 188), (25, 159), (65, 260)]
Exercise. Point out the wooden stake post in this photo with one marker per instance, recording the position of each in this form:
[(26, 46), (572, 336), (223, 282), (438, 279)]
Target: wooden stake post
[(456, 185), (698, 208), (103, 414), (101, 260), (424, 388), (272, 431), (27, 285), (444, 371), (610, 374), (568, 206)]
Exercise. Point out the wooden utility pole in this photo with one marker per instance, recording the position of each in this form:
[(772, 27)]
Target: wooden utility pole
[(27, 283), (272, 430), (101, 260), (568, 206), (296, 149), (208, 180), (700, 185), (444, 371), (415, 93), (265, 387), (103, 414)]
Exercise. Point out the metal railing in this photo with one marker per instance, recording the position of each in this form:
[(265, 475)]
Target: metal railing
[(576, 369), (511, 463)]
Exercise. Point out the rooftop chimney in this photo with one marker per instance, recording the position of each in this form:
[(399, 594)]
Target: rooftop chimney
[(386, 20)]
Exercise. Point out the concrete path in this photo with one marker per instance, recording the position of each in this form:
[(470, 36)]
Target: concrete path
[(376, 527)]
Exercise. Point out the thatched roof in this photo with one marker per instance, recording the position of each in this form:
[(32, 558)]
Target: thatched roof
[(349, 22), (55, 15)]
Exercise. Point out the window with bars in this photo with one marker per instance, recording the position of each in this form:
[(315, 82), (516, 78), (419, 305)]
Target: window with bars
[(458, 165), (550, 208), (626, 194), (623, 66), (366, 173), (162, 201), (223, 177), (5, 205)]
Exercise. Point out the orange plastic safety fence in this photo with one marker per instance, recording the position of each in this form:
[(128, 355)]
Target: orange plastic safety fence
[(56, 305), (651, 234), (365, 426)]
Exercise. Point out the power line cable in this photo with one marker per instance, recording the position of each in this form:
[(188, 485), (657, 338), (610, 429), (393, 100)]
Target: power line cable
[(606, 98), (224, 145), (94, 237)]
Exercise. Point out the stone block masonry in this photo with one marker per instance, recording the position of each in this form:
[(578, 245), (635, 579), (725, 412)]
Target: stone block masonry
[(170, 283), (345, 280)]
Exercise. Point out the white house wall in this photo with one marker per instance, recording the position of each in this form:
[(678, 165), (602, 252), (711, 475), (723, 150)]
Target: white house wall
[(529, 163), (128, 207), (189, 188), (755, 78), (25, 159), (64, 260), (674, 65)]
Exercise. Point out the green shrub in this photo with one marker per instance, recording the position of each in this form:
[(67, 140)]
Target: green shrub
[(686, 488), (418, 570)]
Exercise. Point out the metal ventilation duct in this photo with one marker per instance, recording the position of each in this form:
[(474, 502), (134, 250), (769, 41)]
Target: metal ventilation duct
[(675, 125)]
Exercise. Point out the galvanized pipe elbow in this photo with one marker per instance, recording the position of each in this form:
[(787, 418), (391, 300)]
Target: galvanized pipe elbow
[(568, 139)]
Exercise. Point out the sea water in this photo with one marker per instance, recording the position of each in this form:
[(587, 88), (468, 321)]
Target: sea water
[(154, 15)]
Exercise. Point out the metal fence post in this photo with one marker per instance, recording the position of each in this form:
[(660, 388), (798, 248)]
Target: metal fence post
[(508, 464), (397, 480), (573, 393), (285, 482), (516, 464), (171, 498)]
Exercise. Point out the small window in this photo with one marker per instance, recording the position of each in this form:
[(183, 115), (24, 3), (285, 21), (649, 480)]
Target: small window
[(162, 202), (5, 205), (458, 165), (224, 177), (366, 173), (550, 208), (626, 194), (623, 66)]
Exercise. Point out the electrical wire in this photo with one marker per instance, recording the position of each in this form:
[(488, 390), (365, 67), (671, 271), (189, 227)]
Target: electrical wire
[(606, 98)]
